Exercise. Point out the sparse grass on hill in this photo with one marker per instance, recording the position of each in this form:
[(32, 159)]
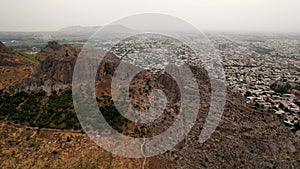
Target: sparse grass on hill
[(34, 58)]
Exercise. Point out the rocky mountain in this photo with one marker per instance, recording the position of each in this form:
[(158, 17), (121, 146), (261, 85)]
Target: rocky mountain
[(77, 29), (14, 68), (245, 137), (55, 72), (59, 62)]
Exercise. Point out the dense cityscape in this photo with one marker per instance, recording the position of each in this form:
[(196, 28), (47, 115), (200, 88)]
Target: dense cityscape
[(265, 72), (261, 110)]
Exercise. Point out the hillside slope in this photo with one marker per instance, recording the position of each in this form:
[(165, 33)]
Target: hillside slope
[(14, 68), (245, 138)]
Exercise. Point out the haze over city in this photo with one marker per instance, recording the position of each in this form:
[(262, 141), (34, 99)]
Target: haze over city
[(213, 15), (150, 84)]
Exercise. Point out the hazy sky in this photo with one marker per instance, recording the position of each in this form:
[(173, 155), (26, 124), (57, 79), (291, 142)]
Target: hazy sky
[(224, 15)]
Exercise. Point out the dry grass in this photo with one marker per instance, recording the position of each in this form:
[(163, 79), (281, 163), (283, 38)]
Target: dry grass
[(11, 76), (21, 148)]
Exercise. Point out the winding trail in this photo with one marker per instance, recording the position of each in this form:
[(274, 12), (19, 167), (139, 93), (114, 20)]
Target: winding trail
[(142, 152)]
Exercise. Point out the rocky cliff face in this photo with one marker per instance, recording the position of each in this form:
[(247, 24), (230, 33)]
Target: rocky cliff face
[(55, 72), (59, 62)]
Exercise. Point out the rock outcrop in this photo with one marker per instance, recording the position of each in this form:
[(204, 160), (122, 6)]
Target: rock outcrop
[(55, 72), (59, 62)]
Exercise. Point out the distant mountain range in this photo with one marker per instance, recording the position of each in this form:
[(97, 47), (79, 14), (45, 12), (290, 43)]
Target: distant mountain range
[(87, 29)]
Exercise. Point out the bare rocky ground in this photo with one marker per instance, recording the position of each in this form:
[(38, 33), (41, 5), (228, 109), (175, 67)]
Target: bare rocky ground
[(14, 68), (245, 138), (23, 147)]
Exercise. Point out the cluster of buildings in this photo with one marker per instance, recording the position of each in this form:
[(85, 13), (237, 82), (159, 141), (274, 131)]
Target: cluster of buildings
[(252, 66), (152, 52)]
